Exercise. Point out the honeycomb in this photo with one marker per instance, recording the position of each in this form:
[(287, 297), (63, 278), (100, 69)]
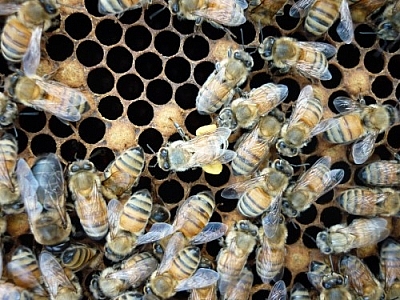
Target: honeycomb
[(144, 68)]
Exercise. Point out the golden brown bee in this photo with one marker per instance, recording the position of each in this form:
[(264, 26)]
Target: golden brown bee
[(299, 292), (304, 123), (8, 110), (232, 258), (390, 268), (256, 195), (310, 59), (360, 278), (61, 284), (131, 274), (43, 191), (312, 184), (240, 288), (359, 233), (370, 202), (22, 32), (389, 27), (221, 85), (123, 173), (360, 123), (264, 11), (9, 189), (362, 9), (78, 256), (321, 14), (112, 7), (381, 173), (91, 208)]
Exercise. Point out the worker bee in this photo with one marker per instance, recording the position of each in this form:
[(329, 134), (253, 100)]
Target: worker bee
[(304, 123), (240, 287), (209, 292), (299, 292), (390, 268), (360, 278), (220, 86), (320, 16), (389, 26), (9, 189), (311, 185), (264, 11), (123, 173), (43, 192), (217, 13), (131, 274), (253, 148), (21, 34), (370, 202), (8, 110), (310, 59), (381, 173), (360, 123), (61, 283), (78, 256), (111, 7), (256, 195), (91, 208), (239, 243), (362, 9), (360, 233)]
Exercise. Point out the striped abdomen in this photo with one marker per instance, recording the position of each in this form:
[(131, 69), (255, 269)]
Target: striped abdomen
[(381, 173), (185, 263), (254, 202), (77, 257), (117, 6), (349, 129), (321, 16), (15, 39)]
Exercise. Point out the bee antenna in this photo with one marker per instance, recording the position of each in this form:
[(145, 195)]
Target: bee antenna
[(15, 131), (154, 14), (309, 236), (301, 165), (151, 149), (242, 37)]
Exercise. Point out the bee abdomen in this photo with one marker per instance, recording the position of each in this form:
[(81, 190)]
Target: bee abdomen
[(185, 263), (137, 211), (15, 40), (321, 16), (254, 202)]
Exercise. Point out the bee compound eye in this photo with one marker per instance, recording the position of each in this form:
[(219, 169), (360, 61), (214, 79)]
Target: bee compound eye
[(164, 153), (236, 55), (387, 25), (327, 250), (87, 166), (175, 8), (166, 165), (74, 168)]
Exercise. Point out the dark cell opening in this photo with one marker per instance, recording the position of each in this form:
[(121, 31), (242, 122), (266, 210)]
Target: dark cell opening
[(374, 61), (336, 78), (194, 120), (92, 8), (196, 47), (167, 43), (259, 63), (89, 53), (310, 235), (285, 21), (393, 137), (144, 183), (131, 16), (249, 33), (110, 107), (140, 113), (382, 86), (190, 175), (58, 128), (383, 152), (202, 71), (216, 217), (220, 179), (259, 79), (295, 161), (183, 26), (156, 171), (43, 143), (332, 97), (148, 65), (159, 91), (211, 32), (326, 198), (225, 205), (171, 191), (185, 96), (92, 130), (130, 87), (150, 137), (119, 59), (269, 31), (331, 216), (348, 56), (212, 248), (138, 38), (333, 33), (311, 146), (197, 189), (389, 46), (293, 232), (72, 150), (78, 25), (365, 36), (303, 279), (22, 139), (108, 32), (32, 120), (100, 80), (307, 216), (177, 69), (393, 66), (59, 47), (372, 263), (293, 89), (159, 21), (101, 157), (344, 166)]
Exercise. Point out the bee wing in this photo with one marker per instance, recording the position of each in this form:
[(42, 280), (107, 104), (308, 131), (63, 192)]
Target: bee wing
[(300, 7), (375, 229), (212, 231), (137, 273), (272, 217), (157, 232), (323, 126), (31, 59), (327, 49), (301, 105), (220, 11), (309, 175), (114, 210), (332, 179), (345, 104), (234, 191), (362, 149), (345, 28), (175, 244), (278, 291), (354, 273), (7, 9), (5, 173), (202, 278)]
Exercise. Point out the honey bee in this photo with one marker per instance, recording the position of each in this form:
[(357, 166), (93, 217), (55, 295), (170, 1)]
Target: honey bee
[(390, 268), (389, 27), (360, 233), (312, 184), (304, 123), (131, 274), (123, 173), (241, 287), (320, 16), (360, 278), (206, 293), (78, 256), (43, 192), (370, 202), (9, 189), (362, 9), (217, 13), (239, 243), (360, 123), (310, 59), (299, 292), (264, 11), (91, 208), (61, 284), (221, 85), (21, 34), (257, 194), (8, 110), (111, 7), (381, 173), (253, 148)]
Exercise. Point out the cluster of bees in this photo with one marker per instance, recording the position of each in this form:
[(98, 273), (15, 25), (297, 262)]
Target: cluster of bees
[(153, 257)]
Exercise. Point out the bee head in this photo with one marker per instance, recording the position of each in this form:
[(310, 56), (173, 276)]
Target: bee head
[(49, 6), (11, 82), (285, 150), (244, 57), (283, 166), (163, 159), (265, 49)]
